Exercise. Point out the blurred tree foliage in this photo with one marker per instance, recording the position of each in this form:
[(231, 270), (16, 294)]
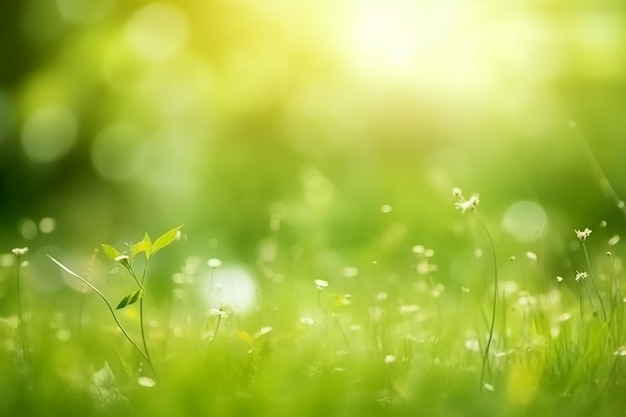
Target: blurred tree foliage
[(250, 121)]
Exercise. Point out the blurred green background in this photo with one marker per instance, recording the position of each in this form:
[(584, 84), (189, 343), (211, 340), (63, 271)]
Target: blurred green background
[(318, 134)]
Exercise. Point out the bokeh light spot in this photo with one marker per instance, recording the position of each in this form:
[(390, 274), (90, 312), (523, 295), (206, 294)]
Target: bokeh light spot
[(119, 152), (47, 225), (27, 228), (318, 190), (231, 286), (157, 31), (49, 133), (526, 221), (84, 11)]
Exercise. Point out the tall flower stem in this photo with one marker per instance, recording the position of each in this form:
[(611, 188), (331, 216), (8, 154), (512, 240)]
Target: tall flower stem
[(20, 313), (495, 298), (593, 281), (471, 204)]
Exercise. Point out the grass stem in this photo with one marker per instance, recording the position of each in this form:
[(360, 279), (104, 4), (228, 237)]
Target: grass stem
[(495, 298)]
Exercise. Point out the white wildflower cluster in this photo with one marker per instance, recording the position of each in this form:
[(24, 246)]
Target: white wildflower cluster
[(582, 235), (463, 204), (580, 276), (19, 251)]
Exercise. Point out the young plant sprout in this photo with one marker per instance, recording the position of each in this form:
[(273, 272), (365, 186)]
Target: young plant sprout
[(149, 249)]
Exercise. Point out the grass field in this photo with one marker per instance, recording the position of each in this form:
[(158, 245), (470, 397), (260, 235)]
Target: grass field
[(364, 341), (326, 264)]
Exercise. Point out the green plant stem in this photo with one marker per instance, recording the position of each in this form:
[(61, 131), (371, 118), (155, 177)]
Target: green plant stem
[(580, 301), (593, 281), (20, 319), (495, 298), (109, 306), (141, 319)]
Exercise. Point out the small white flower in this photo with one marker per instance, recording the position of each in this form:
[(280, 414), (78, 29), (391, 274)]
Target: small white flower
[(470, 204), (418, 249), (307, 321), (321, 284), (582, 235), (214, 263), (457, 192), (221, 312), (581, 276), (559, 279), (409, 309), (389, 359), (20, 251)]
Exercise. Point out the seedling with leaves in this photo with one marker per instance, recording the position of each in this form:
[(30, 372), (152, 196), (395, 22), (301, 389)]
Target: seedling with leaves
[(149, 249), (125, 259)]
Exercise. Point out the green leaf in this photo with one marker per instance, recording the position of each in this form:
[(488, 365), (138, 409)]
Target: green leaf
[(165, 239), (144, 246), (130, 298), (110, 251)]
